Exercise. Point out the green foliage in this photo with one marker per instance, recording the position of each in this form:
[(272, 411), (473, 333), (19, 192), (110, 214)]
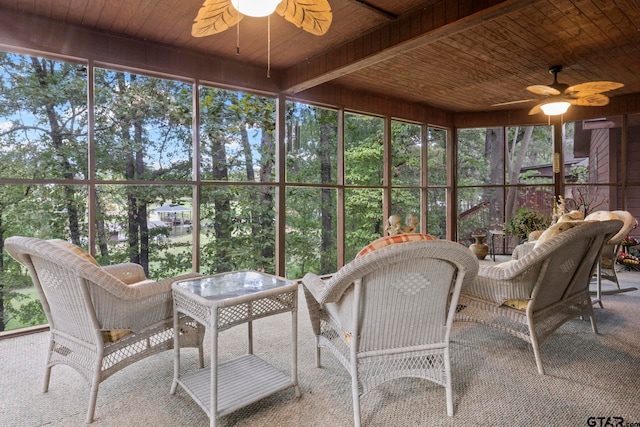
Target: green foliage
[(143, 146), (524, 222), (21, 307)]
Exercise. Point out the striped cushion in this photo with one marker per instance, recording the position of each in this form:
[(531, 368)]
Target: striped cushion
[(390, 240)]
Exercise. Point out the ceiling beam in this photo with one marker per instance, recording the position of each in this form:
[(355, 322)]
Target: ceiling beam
[(417, 28)]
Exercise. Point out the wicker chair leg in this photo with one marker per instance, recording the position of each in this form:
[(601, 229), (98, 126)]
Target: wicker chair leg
[(594, 328), (318, 364), (356, 400), (536, 352), (201, 355), (448, 386), (449, 400), (47, 375), (93, 397), (48, 366)]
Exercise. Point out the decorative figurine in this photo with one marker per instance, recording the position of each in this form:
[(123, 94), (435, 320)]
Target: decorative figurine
[(394, 225)]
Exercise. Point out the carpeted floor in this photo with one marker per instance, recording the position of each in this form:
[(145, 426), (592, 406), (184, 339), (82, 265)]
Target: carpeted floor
[(494, 375)]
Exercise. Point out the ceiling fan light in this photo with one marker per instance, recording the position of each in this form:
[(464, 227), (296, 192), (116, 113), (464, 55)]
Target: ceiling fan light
[(256, 8), (555, 108)]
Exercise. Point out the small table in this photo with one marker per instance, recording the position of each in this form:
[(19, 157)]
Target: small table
[(493, 234), (223, 301)]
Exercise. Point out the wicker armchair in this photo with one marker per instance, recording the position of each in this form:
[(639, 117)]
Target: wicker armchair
[(101, 319), (607, 265), (388, 314), (530, 297)]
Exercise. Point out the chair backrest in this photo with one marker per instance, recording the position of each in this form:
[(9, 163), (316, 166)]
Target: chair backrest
[(60, 277), (408, 293), (568, 261), (624, 216)]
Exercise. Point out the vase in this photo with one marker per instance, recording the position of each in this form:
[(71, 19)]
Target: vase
[(479, 248)]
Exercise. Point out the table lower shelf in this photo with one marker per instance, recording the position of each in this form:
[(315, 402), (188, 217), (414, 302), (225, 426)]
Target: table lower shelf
[(241, 381)]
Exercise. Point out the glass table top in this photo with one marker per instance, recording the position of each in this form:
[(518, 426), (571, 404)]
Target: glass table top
[(231, 285)]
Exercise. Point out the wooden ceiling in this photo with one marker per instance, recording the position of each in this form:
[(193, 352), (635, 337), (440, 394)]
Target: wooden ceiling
[(459, 56)]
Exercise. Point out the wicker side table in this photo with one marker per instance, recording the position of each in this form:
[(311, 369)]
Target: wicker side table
[(221, 302)]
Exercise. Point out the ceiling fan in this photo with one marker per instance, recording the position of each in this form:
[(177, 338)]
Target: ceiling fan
[(215, 16), (559, 96)]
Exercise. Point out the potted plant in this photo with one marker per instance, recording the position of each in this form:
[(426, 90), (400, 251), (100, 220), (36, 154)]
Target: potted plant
[(524, 222)]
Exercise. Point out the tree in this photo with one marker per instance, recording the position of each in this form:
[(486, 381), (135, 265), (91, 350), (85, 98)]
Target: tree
[(142, 133), (43, 104)]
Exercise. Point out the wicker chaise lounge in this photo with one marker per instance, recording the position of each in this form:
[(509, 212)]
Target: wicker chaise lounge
[(101, 319), (530, 297), (388, 314)]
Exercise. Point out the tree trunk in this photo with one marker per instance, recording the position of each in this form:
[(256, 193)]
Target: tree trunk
[(266, 196), (222, 207), (494, 151), (57, 141), (101, 231), (514, 165)]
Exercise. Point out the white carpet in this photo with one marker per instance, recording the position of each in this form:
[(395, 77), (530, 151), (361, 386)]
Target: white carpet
[(494, 375)]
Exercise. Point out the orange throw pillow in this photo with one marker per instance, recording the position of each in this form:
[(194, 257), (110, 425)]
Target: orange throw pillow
[(390, 240)]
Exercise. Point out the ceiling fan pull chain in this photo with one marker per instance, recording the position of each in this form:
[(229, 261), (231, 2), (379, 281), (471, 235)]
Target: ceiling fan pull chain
[(238, 37), (269, 46)]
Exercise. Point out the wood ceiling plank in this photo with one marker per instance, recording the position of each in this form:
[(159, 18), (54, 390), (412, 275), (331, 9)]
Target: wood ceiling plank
[(507, 42), (24, 6), (118, 14), (127, 16), (43, 9), (300, 77), (91, 13), (495, 77), (595, 23), (579, 32), (168, 31), (561, 38), (75, 11), (625, 16)]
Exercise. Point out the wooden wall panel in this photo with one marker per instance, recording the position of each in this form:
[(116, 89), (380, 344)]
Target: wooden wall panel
[(336, 96)]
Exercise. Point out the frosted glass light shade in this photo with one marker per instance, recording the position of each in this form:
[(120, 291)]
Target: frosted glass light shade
[(256, 8), (555, 108)]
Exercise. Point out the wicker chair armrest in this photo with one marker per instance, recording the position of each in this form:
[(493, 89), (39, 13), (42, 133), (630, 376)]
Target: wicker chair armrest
[(498, 290), (127, 272), (523, 250), (171, 280), (133, 314), (144, 304), (316, 286), (506, 270)]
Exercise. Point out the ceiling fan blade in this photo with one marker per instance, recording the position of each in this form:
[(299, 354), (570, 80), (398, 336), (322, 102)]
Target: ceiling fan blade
[(313, 16), (513, 102), (214, 17), (590, 88), (536, 109), (593, 100), (543, 90)]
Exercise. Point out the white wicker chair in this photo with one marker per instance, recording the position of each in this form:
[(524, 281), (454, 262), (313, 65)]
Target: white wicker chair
[(530, 297), (388, 314), (101, 319), (607, 265)]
